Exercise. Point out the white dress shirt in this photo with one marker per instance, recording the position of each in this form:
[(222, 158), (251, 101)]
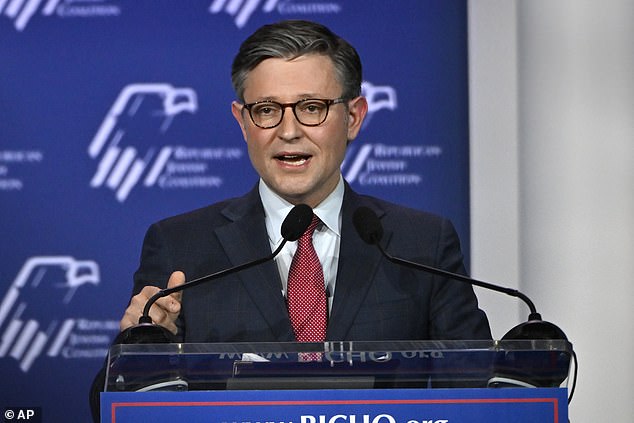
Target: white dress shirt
[(326, 238)]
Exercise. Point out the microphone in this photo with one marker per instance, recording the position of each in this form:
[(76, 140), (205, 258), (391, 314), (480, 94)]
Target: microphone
[(293, 226), (370, 229)]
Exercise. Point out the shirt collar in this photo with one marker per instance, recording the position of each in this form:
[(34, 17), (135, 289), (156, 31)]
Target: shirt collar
[(276, 209)]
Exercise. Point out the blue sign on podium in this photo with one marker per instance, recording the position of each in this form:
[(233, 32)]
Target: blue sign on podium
[(519, 405)]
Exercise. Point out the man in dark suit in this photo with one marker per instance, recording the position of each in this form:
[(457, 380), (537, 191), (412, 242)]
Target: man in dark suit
[(304, 67)]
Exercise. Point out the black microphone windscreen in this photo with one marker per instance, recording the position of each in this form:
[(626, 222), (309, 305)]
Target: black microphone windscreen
[(296, 222), (368, 225)]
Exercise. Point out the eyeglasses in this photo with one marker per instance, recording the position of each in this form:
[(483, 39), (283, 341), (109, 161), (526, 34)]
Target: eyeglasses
[(309, 112)]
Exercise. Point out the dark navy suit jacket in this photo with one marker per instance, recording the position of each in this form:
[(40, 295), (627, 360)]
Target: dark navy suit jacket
[(373, 300)]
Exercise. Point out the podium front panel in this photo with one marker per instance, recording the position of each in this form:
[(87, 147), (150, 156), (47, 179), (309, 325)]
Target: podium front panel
[(519, 405)]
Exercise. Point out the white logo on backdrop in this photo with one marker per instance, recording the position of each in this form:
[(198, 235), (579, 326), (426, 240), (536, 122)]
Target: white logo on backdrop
[(121, 167), (11, 162), (379, 97), (131, 148), (241, 10), (378, 164), (21, 12), (35, 309)]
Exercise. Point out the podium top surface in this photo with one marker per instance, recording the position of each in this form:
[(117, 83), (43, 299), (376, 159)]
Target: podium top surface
[(340, 346)]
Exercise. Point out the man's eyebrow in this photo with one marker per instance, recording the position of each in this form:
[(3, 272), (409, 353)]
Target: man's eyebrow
[(298, 97)]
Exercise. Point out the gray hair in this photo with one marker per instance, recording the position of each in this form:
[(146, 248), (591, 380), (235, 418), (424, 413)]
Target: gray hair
[(294, 38)]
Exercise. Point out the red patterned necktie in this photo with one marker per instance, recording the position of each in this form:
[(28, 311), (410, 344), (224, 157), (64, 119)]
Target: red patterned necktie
[(307, 306)]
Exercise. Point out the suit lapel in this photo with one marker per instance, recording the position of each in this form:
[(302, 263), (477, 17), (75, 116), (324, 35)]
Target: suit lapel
[(358, 264), (245, 239)]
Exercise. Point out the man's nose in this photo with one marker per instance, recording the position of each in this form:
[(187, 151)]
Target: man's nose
[(289, 127)]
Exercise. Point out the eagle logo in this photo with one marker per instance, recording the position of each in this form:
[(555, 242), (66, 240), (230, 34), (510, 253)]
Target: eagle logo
[(141, 114)]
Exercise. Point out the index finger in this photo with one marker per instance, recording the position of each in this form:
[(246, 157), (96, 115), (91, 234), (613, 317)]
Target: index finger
[(177, 278)]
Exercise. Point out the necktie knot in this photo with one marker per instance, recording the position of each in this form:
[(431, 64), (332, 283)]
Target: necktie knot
[(307, 236)]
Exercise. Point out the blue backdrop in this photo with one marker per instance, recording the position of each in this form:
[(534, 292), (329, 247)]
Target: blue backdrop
[(115, 113)]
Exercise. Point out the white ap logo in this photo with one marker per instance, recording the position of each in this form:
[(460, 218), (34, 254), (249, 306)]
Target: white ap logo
[(241, 10), (43, 284), (141, 113)]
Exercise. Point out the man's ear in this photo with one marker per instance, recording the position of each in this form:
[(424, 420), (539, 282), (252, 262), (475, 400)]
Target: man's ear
[(236, 111), (357, 109)]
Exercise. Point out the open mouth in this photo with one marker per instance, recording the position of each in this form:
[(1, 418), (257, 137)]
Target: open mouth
[(293, 159)]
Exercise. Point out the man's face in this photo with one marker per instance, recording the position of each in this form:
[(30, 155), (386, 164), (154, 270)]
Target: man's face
[(300, 163)]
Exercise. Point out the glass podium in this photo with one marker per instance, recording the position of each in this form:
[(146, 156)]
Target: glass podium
[(338, 365)]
